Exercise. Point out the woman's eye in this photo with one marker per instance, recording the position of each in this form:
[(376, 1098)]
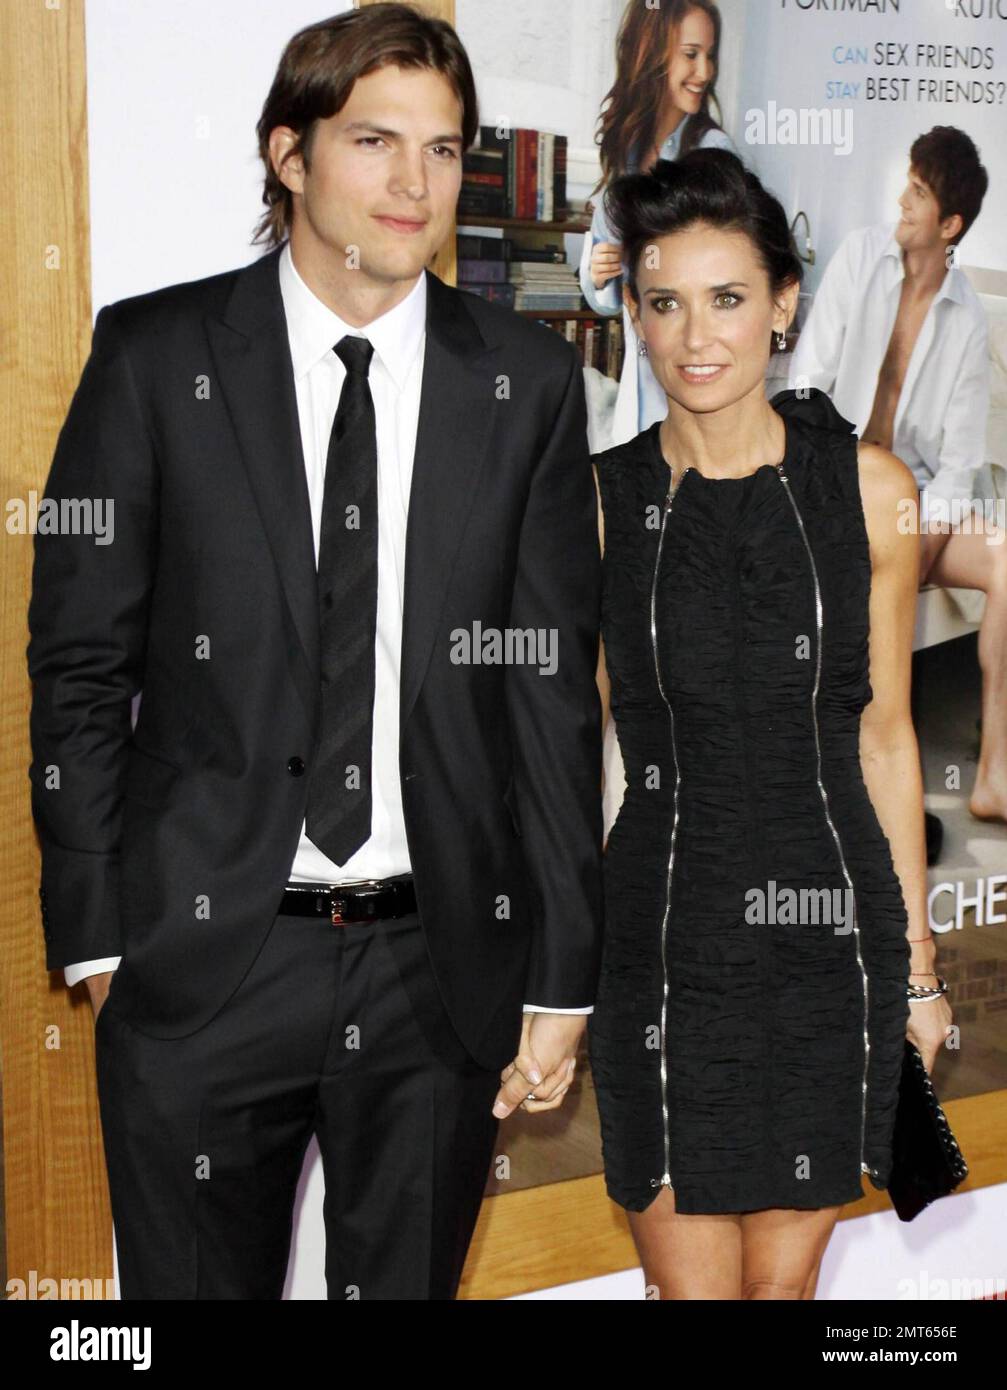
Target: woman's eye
[(665, 304)]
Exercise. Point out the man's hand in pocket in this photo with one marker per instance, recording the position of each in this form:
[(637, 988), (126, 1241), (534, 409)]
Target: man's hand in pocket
[(97, 988)]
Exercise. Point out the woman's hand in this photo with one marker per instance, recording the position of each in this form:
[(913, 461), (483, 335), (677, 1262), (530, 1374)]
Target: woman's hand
[(929, 1022), (545, 1064), (606, 263)]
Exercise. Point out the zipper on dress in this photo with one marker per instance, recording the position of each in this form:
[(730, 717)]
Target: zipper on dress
[(825, 801), (665, 1179)]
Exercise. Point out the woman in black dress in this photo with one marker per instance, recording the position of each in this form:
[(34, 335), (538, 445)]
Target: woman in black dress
[(767, 941)]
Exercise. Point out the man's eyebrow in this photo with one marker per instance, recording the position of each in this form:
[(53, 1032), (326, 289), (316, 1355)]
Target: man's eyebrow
[(453, 138)]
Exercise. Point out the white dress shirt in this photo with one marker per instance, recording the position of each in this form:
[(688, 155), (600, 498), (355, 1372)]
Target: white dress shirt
[(396, 372), (395, 379), (940, 421)]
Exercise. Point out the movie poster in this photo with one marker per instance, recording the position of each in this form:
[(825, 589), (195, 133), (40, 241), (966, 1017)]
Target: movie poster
[(824, 102)]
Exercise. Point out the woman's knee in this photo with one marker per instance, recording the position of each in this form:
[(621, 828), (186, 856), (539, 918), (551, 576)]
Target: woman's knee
[(772, 1288), (782, 1252)]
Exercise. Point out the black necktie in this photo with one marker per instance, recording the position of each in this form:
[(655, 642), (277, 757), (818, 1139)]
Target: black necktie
[(338, 817)]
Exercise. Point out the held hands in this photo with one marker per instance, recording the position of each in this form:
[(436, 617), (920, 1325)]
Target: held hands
[(97, 988), (545, 1063), (606, 263)]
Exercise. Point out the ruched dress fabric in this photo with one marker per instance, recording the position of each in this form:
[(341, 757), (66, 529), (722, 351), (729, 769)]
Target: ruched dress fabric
[(766, 1031)]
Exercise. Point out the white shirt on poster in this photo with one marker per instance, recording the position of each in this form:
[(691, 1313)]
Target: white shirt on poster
[(940, 422)]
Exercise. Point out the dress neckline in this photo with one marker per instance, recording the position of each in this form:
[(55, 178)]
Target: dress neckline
[(658, 456)]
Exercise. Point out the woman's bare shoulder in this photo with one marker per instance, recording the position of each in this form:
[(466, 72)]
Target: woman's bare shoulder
[(888, 491)]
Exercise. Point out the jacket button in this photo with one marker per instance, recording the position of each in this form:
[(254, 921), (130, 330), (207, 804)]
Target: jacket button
[(296, 767)]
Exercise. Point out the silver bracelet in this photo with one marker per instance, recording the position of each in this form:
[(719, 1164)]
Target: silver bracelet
[(924, 993)]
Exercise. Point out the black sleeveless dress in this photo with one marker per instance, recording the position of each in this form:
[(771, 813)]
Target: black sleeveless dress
[(746, 1043)]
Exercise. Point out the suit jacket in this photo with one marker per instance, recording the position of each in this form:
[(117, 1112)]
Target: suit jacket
[(170, 842)]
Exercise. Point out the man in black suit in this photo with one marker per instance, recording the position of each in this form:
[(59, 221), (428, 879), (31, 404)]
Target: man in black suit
[(344, 842)]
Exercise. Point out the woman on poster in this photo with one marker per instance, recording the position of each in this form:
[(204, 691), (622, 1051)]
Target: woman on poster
[(658, 108)]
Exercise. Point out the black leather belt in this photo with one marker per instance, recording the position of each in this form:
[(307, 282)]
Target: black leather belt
[(364, 901)]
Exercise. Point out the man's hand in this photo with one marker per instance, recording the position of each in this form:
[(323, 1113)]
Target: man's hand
[(97, 988), (545, 1063)]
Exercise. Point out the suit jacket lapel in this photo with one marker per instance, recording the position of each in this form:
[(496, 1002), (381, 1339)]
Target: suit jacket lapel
[(252, 354), (457, 406)]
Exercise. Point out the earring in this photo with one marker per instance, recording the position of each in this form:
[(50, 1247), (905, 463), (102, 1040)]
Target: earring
[(641, 347), (781, 342)]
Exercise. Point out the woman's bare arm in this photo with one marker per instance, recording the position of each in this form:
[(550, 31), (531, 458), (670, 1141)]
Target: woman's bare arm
[(889, 752)]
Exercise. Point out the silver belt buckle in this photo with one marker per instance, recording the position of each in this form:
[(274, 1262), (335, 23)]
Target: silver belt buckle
[(339, 903)]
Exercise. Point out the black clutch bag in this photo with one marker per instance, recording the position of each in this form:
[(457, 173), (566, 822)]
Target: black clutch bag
[(926, 1160)]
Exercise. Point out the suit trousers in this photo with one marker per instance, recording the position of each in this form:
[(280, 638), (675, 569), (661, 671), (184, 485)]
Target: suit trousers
[(337, 1031)]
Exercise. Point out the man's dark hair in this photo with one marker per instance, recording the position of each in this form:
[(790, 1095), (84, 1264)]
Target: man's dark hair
[(316, 74), (948, 163)]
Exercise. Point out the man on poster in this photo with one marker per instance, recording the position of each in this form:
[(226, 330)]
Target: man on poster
[(898, 338)]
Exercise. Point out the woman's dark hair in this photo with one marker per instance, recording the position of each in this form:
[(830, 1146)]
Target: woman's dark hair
[(630, 109), (710, 186), (948, 163), (316, 74)]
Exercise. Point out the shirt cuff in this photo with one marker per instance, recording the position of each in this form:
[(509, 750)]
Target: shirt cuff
[(541, 1009), (607, 300), (73, 974)]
